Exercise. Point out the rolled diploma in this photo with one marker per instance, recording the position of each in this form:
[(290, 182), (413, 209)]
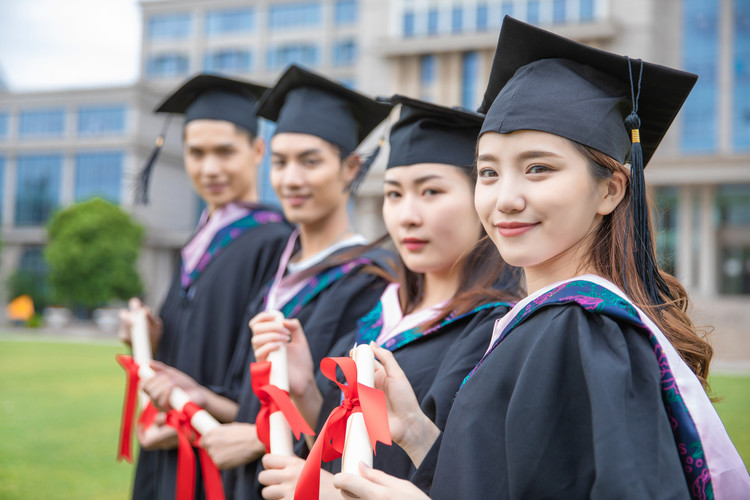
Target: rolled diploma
[(140, 343), (279, 431), (202, 421), (357, 446)]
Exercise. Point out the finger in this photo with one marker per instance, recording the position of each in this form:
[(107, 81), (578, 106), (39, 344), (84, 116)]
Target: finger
[(262, 353), (352, 485), (259, 341), (295, 329), (269, 477), (262, 317), (272, 492), (134, 303), (271, 461), (158, 366), (386, 358), (374, 475)]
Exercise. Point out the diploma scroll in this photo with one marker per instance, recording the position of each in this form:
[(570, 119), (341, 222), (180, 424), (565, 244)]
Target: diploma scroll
[(357, 446), (279, 430), (140, 343)]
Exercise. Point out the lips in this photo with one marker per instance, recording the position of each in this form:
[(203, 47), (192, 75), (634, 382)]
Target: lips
[(511, 229), (296, 200), (413, 244), (215, 188)]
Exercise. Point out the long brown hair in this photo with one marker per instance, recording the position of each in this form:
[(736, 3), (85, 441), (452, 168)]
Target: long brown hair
[(610, 259)]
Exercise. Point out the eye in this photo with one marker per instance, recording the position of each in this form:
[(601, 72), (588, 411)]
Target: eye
[(431, 192), (486, 172), (538, 169), (277, 163), (311, 162), (392, 194), (225, 152)]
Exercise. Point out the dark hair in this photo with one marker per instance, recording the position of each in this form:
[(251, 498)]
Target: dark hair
[(609, 257), (238, 128)]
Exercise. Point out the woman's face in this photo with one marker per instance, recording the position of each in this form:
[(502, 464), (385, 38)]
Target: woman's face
[(429, 214), (538, 200), (309, 178)]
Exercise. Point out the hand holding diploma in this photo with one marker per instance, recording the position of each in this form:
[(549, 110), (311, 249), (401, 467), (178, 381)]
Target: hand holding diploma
[(154, 325), (371, 484)]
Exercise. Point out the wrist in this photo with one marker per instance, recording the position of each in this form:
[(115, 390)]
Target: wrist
[(421, 433)]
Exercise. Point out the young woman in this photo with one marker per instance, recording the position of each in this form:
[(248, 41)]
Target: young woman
[(227, 261), (328, 276), (437, 318), (592, 385)]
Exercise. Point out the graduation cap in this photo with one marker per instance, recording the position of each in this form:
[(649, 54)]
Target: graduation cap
[(205, 97), (304, 102), (429, 133), (609, 102)]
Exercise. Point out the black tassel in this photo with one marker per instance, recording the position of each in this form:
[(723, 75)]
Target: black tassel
[(643, 248), (365, 168), (144, 176)]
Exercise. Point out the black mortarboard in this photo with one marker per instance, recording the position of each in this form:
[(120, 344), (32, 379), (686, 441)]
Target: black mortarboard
[(206, 97), (307, 103), (618, 106), (430, 133)]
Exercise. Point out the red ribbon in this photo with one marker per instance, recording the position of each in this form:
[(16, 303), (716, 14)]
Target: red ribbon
[(273, 399), (330, 443), (186, 434), (125, 449)]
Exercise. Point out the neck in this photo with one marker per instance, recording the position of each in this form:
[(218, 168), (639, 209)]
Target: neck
[(250, 197), (319, 235), (439, 287), (562, 267)]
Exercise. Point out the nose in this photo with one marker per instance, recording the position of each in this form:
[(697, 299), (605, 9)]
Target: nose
[(409, 212), (292, 176), (211, 165), (510, 196)]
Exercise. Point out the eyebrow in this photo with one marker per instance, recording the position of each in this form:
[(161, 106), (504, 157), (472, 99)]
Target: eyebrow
[(418, 181), (307, 152), (526, 155)]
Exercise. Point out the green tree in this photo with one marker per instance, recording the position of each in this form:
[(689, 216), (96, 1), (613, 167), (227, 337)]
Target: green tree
[(92, 252)]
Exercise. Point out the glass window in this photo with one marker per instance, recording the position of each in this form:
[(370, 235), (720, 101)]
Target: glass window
[(587, 10), (432, 22), (348, 82), (31, 277), (457, 20), (98, 174), (266, 194), (37, 188), (482, 15), (229, 21), (2, 186), (700, 54), (665, 222), (558, 11), (295, 14), (344, 53), (346, 12), (532, 12), (167, 65), (282, 56), (741, 107), (101, 120), (733, 217), (229, 60), (506, 9), (469, 74), (169, 27), (408, 23), (42, 123), (427, 66), (3, 125)]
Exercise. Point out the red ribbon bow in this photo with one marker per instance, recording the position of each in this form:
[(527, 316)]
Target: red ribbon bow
[(186, 434), (128, 407), (330, 443), (273, 399)]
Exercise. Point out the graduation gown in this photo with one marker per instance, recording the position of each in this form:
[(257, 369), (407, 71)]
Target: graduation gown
[(201, 328), (435, 364), (578, 399), (326, 316)]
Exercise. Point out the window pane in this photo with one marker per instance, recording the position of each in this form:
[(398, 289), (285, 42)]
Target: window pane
[(346, 12), (457, 20), (408, 24), (37, 188), (587, 10), (42, 123), (506, 9), (2, 186), (230, 61), (280, 57), (167, 65), (741, 108), (532, 12), (558, 11), (169, 27), (469, 73), (432, 22), (482, 15), (700, 55), (344, 53), (98, 174), (296, 14), (101, 120), (733, 214), (427, 70), (229, 21), (3, 125), (665, 219)]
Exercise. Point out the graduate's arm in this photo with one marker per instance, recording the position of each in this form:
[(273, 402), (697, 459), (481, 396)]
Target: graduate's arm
[(267, 337), (410, 428), (160, 387)]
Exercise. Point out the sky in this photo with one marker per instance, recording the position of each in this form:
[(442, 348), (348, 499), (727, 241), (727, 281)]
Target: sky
[(62, 44)]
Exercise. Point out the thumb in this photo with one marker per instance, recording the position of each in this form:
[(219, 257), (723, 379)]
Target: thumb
[(391, 366), (295, 328)]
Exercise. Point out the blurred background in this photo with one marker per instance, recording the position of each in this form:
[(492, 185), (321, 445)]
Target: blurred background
[(78, 81)]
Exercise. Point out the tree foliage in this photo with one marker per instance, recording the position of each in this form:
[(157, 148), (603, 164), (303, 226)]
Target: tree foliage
[(92, 252)]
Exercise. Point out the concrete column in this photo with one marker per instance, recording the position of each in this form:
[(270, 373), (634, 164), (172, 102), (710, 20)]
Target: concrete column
[(725, 78), (707, 255), (9, 192), (67, 180), (684, 251)]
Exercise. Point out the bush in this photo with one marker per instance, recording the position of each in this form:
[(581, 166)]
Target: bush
[(92, 252)]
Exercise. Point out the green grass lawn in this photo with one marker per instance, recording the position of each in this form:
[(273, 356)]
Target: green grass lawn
[(60, 409)]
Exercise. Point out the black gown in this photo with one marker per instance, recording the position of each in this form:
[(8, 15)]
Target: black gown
[(435, 365), (569, 405), (332, 313), (201, 328)]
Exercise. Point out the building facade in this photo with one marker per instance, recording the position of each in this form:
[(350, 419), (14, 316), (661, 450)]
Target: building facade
[(439, 50)]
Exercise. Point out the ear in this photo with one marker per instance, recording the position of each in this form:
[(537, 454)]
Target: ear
[(350, 166), (613, 191), (259, 148)]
